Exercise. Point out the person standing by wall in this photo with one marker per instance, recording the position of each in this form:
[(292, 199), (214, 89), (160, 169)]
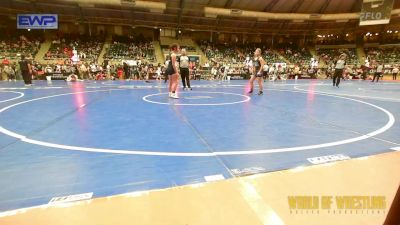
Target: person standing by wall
[(26, 70), (265, 71), (339, 67), (395, 71), (378, 72), (84, 71), (184, 69)]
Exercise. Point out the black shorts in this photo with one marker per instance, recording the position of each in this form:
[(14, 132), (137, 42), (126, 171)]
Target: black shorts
[(184, 71), (255, 72), (169, 73), (258, 74), (338, 72)]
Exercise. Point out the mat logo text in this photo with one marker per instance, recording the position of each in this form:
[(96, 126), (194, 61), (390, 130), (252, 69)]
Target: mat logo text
[(336, 202), (328, 158)]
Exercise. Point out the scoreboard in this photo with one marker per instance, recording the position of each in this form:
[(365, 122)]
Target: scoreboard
[(376, 12)]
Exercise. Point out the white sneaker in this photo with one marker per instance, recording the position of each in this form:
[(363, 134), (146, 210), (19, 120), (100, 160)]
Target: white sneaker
[(169, 94), (174, 95)]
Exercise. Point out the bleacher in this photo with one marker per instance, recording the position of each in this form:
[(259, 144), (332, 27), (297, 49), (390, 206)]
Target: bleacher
[(128, 48), (187, 43), (189, 49), (268, 54), (389, 55), (237, 54), (329, 55), (220, 53), (296, 55), (12, 47), (88, 48)]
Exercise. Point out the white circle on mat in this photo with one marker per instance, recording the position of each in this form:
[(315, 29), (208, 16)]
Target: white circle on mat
[(23, 138), (16, 92), (174, 102)]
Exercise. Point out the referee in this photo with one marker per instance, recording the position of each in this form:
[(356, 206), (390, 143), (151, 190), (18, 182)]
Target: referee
[(26, 70), (339, 66), (184, 68)]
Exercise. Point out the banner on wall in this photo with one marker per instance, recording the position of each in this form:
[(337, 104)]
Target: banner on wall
[(37, 21)]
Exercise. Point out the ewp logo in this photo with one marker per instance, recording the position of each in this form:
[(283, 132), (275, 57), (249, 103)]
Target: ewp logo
[(37, 21)]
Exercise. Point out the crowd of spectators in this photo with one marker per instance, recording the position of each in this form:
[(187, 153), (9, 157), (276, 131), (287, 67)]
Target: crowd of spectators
[(295, 55), (388, 55), (88, 48), (268, 54), (235, 60), (189, 49), (221, 52), (331, 55), (12, 47), (133, 57), (130, 48), (86, 71), (236, 54)]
